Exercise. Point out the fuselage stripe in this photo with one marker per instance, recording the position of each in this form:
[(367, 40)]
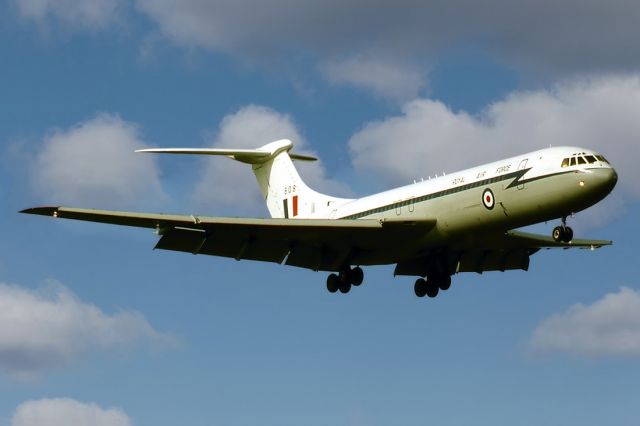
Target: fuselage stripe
[(516, 176)]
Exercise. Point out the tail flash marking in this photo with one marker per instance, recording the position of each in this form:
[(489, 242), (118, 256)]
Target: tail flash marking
[(295, 205), (285, 205)]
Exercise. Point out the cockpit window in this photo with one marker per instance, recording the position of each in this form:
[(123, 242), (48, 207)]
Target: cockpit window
[(590, 159), (565, 162), (573, 161), (601, 158)]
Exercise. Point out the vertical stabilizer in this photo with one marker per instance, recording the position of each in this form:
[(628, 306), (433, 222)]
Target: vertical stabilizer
[(286, 195)]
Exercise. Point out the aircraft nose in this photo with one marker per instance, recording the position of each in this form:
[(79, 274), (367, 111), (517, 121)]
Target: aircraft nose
[(603, 180)]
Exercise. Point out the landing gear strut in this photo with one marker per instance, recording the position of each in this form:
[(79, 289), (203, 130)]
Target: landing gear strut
[(345, 279), (562, 233)]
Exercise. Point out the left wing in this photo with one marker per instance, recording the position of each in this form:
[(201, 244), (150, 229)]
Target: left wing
[(318, 244)]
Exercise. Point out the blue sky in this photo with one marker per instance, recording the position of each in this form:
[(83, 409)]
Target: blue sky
[(96, 326)]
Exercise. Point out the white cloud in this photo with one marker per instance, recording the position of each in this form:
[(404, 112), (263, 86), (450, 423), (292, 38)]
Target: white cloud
[(546, 34), (429, 137), (387, 79), (67, 412), (76, 14), (608, 327), (93, 163), (46, 328), (230, 186)]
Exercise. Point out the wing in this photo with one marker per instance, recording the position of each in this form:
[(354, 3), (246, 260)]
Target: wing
[(518, 239), (316, 244), (505, 251)]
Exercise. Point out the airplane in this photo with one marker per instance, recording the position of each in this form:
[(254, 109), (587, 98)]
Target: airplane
[(432, 229)]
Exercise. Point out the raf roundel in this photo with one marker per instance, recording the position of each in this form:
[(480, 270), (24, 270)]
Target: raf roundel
[(487, 199)]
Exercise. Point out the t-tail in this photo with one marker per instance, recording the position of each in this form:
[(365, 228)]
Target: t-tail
[(286, 195)]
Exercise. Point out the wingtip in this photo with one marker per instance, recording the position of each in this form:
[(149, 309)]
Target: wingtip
[(42, 211)]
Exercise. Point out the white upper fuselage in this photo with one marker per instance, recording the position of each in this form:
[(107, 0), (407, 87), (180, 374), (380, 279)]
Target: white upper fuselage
[(530, 167)]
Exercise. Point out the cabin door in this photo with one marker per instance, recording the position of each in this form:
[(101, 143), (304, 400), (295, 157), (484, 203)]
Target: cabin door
[(522, 166)]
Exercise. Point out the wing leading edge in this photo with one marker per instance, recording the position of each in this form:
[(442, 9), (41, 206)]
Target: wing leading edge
[(318, 244)]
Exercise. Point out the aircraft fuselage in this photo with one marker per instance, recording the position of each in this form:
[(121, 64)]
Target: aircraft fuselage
[(502, 195)]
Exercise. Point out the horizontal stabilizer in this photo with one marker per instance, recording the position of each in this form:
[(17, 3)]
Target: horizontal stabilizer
[(249, 156)]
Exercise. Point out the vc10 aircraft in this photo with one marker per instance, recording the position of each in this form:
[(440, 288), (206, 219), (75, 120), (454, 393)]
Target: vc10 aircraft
[(433, 229)]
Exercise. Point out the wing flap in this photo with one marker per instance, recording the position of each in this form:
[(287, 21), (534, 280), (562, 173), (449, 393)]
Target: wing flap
[(182, 239)]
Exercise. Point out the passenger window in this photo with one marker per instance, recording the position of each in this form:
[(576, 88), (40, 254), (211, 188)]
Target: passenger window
[(581, 160), (565, 162), (573, 161)]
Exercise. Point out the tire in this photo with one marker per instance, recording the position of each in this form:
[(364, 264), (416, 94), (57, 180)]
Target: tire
[(568, 235), (432, 289), (344, 286), (420, 287), (558, 234), (333, 282), (357, 276), (444, 282)]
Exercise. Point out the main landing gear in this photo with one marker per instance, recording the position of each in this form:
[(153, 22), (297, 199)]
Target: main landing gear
[(345, 279), (432, 285), (562, 233)]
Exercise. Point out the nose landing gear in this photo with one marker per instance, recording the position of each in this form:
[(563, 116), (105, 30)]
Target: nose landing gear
[(562, 233)]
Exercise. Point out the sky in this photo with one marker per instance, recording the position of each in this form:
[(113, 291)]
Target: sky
[(97, 328)]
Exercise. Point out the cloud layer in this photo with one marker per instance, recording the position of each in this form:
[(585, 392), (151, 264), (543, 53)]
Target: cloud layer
[(46, 328), (608, 327), (541, 38), (390, 80), (68, 412), (89, 15), (93, 163), (559, 35)]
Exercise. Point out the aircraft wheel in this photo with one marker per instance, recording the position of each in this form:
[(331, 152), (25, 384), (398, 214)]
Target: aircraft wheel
[(333, 282), (558, 234), (444, 282), (344, 286), (568, 235), (356, 276), (420, 287), (432, 289)]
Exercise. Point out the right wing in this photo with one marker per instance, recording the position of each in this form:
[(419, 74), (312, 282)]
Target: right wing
[(519, 239), (494, 252), (318, 244)]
